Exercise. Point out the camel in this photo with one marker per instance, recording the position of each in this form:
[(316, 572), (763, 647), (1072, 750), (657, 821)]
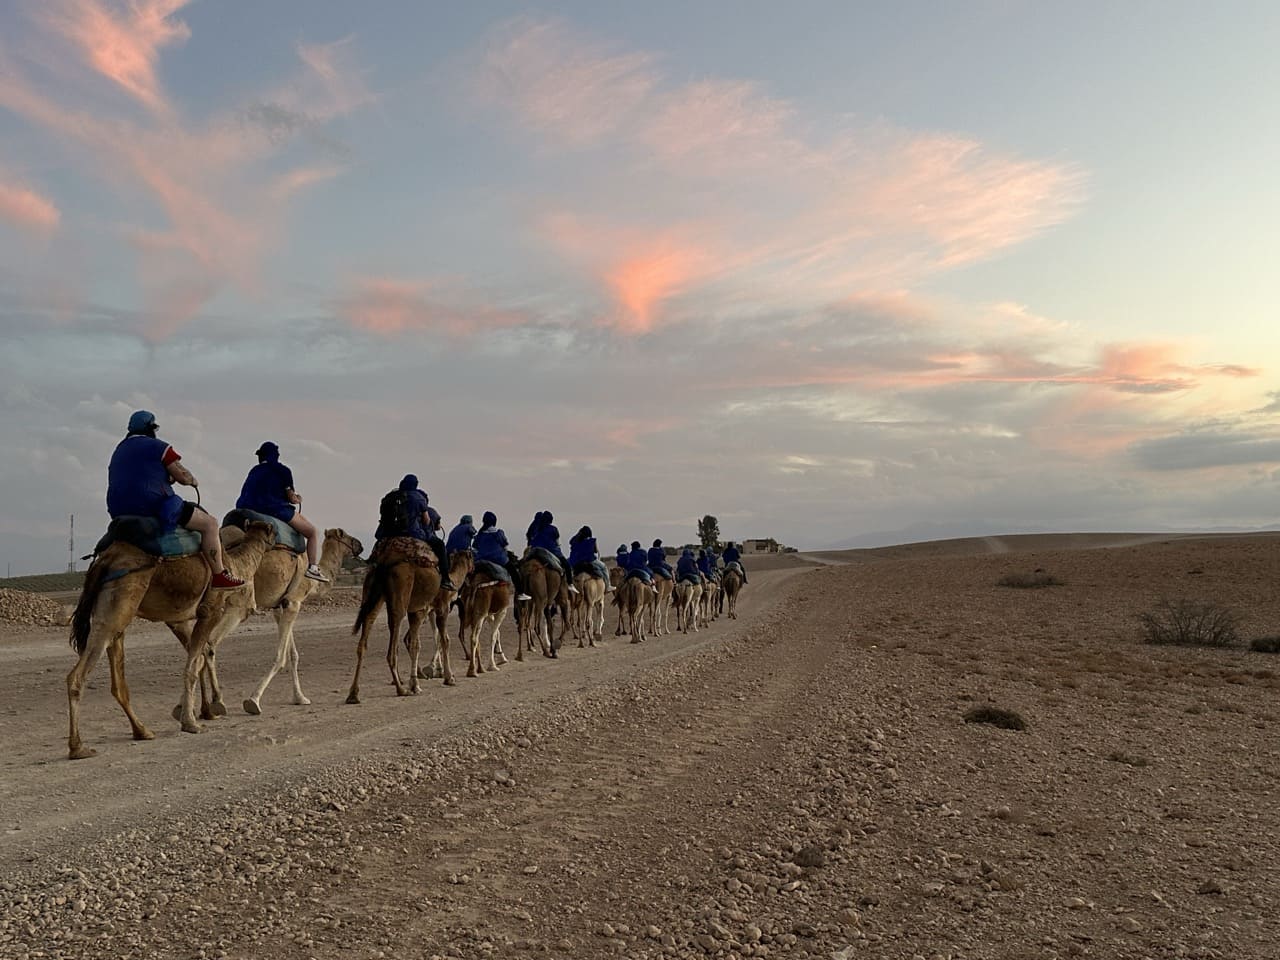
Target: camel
[(279, 586), (631, 600), (461, 563), (124, 582), (731, 584), (707, 606), (483, 601), (404, 576), (686, 597), (589, 602), (662, 606), (545, 584)]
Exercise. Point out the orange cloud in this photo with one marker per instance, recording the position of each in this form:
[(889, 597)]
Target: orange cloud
[(26, 208), (642, 282), (387, 306), (123, 46)]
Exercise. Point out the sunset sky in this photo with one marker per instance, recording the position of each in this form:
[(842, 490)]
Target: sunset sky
[(822, 269)]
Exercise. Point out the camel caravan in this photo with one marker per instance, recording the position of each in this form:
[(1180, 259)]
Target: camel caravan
[(168, 560)]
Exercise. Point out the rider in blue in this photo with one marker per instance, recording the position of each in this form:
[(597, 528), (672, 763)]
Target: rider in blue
[(687, 567), (461, 536), (140, 482), (657, 561), (731, 555), (584, 557), (547, 537), (704, 564), (490, 544), (269, 489), (623, 558), (638, 563), (422, 525)]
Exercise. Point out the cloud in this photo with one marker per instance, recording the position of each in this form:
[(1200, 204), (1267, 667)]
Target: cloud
[(122, 42), (389, 307), (795, 206), (1198, 450), (206, 203), (23, 207)]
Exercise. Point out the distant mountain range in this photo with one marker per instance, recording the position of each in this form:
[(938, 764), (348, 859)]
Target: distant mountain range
[(964, 529)]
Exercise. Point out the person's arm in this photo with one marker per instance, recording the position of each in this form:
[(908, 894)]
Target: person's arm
[(290, 494), (172, 461)]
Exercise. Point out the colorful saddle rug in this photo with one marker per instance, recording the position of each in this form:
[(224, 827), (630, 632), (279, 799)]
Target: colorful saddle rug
[(287, 538), (148, 535), (403, 550)]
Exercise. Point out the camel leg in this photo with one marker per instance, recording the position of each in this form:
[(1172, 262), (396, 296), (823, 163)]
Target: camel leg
[(98, 641), (287, 618), (120, 688), (442, 648), (190, 674), (415, 649), (495, 647), (353, 695), (253, 705), (394, 617)]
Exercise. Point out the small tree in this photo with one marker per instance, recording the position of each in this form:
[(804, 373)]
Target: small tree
[(708, 531)]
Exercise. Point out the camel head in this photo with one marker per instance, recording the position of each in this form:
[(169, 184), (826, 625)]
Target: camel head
[(348, 541)]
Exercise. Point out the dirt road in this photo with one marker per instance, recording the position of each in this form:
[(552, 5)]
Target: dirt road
[(800, 783)]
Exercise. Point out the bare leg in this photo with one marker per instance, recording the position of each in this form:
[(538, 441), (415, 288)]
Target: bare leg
[(206, 525), (308, 530)]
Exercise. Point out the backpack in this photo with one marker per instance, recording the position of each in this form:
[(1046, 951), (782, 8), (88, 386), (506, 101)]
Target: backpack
[(393, 514)]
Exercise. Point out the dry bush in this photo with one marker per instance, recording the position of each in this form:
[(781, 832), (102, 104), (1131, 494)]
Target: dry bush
[(996, 716), (1029, 581), (1128, 759), (1195, 623), (1265, 645)]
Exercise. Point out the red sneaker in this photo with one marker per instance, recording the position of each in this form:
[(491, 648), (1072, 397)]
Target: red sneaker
[(225, 581)]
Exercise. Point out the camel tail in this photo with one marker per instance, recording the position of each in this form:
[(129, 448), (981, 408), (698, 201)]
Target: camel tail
[(83, 617), (375, 586)]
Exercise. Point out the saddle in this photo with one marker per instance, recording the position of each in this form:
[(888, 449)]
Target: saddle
[(287, 538), (735, 566), (658, 572), (544, 557), (403, 550), (491, 570), (149, 536)]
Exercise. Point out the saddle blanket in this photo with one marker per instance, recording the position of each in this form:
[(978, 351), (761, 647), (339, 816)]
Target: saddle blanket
[(148, 535), (286, 536), (491, 571)]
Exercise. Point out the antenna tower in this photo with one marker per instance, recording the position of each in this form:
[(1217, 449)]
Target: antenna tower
[(71, 546)]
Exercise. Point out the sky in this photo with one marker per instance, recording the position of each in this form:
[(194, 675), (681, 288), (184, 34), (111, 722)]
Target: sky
[(820, 269)]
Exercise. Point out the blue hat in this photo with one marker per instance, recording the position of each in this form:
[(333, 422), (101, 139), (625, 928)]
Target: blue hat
[(635, 544), (466, 518), (141, 420)]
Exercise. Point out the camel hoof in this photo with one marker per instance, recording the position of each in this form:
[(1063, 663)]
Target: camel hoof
[(81, 753), (423, 674), (252, 709), (142, 733), (302, 702), (450, 682), (192, 728), (219, 709), (353, 697)]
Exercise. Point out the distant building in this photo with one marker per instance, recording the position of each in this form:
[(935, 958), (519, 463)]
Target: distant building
[(768, 545)]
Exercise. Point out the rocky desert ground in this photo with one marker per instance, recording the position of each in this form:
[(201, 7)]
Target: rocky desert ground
[(800, 782)]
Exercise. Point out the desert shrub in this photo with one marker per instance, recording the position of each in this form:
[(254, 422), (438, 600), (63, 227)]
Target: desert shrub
[(1265, 645), (1029, 581), (996, 716), (1196, 623), (1128, 759)]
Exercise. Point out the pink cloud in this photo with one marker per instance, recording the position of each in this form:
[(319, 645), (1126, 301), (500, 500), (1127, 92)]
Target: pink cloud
[(123, 44), (219, 186), (793, 212), (389, 306), (25, 208), (642, 282)]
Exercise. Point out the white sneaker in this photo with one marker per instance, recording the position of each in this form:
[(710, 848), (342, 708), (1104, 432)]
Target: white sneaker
[(523, 596), (313, 573), (572, 588)]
